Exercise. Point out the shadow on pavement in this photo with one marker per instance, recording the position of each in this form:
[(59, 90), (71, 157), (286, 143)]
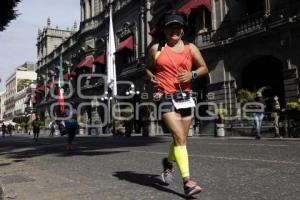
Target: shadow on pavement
[(23, 147), (4, 164), (149, 180)]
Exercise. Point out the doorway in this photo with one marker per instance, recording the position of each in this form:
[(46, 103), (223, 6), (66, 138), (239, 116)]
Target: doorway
[(265, 71)]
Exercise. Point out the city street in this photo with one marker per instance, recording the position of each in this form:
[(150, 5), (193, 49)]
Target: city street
[(119, 168), (116, 71)]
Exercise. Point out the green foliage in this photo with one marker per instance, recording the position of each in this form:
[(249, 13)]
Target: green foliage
[(124, 113), (23, 124), (48, 120), (244, 96), (82, 119), (29, 123), (293, 105), (118, 124), (221, 111), (145, 111), (7, 12), (22, 83)]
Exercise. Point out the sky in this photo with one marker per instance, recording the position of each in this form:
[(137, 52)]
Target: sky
[(18, 40)]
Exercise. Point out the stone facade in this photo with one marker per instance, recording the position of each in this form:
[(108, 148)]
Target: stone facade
[(246, 44), (2, 107), (250, 45), (49, 39), (19, 80)]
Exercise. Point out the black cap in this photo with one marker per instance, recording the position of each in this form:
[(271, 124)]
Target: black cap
[(174, 19)]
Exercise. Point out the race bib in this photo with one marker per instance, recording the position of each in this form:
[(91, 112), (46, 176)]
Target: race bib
[(183, 100)]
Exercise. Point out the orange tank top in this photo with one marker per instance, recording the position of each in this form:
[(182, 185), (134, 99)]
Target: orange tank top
[(168, 66)]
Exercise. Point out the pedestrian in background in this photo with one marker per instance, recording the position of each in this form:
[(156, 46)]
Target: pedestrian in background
[(72, 128), (3, 130), (258, 114), (169, 68), (276, 108), (10, 129), (52, 127), (26, 128), (36, 124)]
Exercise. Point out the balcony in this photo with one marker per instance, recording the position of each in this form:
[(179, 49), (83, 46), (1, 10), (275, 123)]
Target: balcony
[(248, 26), (131, 69)]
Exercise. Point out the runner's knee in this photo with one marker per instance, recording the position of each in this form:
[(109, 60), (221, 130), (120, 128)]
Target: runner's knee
[(180, 139)]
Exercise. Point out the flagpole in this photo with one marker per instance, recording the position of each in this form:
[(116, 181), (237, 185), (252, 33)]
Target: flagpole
[(111, 68)]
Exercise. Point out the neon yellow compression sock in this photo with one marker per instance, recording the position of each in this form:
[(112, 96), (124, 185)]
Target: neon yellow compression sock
[(171, 156), (182, 159)]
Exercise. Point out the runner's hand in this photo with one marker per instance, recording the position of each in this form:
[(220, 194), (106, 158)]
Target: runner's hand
[(154, 81), (185, 76)]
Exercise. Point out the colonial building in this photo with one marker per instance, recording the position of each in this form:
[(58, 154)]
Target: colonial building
[(247, 44), (2, 108), (24, 100), (19, 80)]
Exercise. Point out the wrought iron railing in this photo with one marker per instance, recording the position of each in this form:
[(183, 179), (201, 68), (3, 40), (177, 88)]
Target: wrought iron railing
[(249, 24)]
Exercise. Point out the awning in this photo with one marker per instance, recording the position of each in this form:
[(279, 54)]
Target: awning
[(87, 62), (37, 92), (67, 76), (153, 31), (49, 85), (100, 59), (73, 73), (41, 88), (126, 44), (192, 4)]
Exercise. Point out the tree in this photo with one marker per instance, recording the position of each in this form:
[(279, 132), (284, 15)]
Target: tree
[(22, 83), (7, 12)]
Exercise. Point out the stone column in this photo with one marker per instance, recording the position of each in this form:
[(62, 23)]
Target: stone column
[(137, 41), (147, 18), (86, 10), (213, 15), (92, 8), (142, 32), (267, 8)]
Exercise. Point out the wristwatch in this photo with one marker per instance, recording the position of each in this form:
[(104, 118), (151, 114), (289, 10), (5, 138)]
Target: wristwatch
[(194, 75)]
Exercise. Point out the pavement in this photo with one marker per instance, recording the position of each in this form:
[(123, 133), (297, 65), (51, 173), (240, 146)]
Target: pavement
[(128, 168)]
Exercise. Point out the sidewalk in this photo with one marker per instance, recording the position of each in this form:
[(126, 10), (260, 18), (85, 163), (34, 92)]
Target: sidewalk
[(45, 134)]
